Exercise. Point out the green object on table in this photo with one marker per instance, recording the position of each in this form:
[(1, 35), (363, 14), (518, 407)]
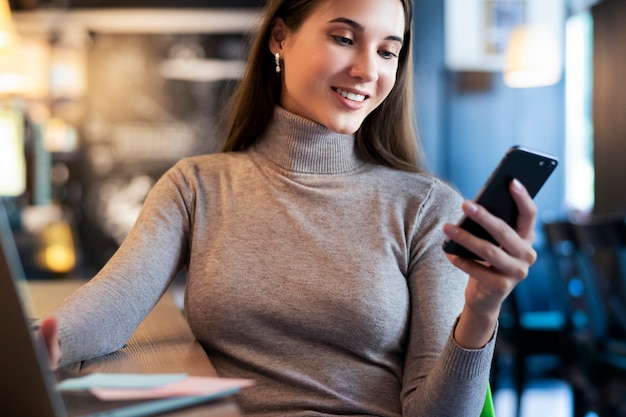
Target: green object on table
[(488, 408)]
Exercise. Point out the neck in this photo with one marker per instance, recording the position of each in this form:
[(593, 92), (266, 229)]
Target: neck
[(301, 145)]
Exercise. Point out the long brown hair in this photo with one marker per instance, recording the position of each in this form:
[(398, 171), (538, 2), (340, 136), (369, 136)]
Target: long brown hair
[(388, 135)]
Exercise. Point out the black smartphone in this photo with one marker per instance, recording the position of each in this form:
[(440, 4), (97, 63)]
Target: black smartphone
[(530, 167)]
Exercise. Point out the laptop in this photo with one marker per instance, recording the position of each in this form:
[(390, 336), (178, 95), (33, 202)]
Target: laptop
[(27, 385)]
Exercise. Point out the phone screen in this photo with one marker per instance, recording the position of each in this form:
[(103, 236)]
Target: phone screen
[(530, 167)]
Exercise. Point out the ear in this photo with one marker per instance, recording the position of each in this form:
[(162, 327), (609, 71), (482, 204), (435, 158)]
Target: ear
[(278, 34)]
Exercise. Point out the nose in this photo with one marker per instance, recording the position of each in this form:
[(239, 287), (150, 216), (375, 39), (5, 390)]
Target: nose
[(365, 66)]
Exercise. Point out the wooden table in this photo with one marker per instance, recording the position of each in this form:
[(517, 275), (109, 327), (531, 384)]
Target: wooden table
[(163, 343)]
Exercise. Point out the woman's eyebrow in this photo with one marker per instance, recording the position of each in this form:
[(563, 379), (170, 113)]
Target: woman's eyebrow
[(358, 27)]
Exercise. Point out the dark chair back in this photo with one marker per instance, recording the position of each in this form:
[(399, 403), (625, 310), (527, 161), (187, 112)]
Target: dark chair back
[(589, 259), (603, 256), (585, 309)]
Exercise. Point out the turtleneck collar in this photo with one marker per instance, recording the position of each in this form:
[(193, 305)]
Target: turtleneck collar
[(301, 145)]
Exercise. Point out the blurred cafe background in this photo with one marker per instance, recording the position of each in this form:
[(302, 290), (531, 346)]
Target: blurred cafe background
[(99, 97)]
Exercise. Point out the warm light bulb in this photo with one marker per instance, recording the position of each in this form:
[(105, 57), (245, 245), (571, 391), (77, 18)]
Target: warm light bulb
[(58, 252)]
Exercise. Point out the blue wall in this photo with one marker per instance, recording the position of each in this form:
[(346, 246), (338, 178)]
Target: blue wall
[(464, 134)]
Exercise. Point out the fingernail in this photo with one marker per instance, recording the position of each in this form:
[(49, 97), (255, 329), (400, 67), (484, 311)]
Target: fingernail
[(450, 229), (517, 186), (470, 207)]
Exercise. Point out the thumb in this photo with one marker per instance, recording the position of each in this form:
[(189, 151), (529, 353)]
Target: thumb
[(49, 332)]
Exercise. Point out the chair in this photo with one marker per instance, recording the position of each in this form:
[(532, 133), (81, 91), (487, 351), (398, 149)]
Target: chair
[(601, 245), (534, 332), (585, 258), (583, 308)]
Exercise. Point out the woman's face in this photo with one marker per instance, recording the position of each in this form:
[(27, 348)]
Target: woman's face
[(342, 62)]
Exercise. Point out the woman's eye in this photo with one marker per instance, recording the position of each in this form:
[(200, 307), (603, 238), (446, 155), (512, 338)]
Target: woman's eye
[(387, 54), (342, 40)]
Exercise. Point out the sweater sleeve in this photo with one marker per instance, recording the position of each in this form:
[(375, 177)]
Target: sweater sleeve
[(101, 315), (440, 377)]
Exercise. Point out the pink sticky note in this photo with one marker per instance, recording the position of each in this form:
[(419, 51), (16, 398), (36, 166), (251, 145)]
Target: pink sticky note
[(190, 386)]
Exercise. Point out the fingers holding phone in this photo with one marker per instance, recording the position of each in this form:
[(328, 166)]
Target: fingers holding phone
[(509, 249), (503, 197)]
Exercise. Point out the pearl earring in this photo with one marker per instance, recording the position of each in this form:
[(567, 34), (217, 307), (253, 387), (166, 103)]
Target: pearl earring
[(277, 61)]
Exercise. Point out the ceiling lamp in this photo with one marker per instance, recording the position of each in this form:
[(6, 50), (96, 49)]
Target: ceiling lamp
[(532, 58)]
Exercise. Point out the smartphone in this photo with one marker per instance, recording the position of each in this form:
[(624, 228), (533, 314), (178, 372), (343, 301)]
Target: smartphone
[(531, 168)]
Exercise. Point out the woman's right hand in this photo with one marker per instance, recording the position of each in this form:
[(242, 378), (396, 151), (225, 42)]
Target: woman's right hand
[(49, 333)]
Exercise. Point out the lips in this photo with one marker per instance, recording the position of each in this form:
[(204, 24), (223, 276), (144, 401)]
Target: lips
[(356, 97)]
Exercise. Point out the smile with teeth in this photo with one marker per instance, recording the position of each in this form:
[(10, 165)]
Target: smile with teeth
[(350, 96)]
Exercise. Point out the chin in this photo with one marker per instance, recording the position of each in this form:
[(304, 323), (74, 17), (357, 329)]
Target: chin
[(344, 131), (344, 128)]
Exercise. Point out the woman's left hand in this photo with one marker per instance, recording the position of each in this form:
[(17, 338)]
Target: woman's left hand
[(48, 329), (493, 279)]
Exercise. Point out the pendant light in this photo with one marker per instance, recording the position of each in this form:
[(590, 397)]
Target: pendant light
[(532, 58)]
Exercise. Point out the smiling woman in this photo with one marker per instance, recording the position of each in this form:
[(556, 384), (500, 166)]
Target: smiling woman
[(388, 134), (313, 242)]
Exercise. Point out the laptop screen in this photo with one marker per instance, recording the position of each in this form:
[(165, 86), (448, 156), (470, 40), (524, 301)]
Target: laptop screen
[(26, 383)]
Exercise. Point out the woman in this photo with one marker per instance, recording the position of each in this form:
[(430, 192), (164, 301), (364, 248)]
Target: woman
[(313, 245)]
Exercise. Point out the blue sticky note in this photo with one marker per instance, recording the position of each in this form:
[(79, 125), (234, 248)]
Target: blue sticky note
[(105, 380)]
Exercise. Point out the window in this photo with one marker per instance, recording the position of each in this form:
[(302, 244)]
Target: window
[(579, 171)]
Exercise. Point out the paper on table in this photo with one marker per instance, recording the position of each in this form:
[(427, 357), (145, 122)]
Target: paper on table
[(113, 380), (191, 386)]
